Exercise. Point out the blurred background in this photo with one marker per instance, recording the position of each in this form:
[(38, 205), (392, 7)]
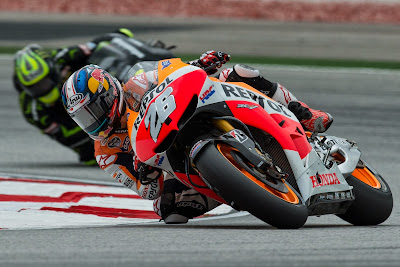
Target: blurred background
[(363, 30)]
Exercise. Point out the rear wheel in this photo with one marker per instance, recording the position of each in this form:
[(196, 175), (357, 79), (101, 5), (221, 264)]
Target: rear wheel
[(373, 202), (241, 185)]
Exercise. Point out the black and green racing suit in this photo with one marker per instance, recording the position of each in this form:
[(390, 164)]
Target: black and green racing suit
[(51, 119)]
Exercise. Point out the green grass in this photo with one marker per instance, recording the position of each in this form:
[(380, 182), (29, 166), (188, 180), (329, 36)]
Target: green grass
[(8, 50), (281, 61)]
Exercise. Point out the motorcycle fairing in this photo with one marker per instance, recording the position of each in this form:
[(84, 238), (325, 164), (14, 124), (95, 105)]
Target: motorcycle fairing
[(158, 112), (318, 179), (245, 103), (252, 107)]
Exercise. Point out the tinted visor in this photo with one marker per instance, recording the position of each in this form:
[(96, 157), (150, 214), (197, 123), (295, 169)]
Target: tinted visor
[(93, 118), (41, 88)]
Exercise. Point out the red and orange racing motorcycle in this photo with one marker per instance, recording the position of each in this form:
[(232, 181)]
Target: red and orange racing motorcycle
[(232, 143)]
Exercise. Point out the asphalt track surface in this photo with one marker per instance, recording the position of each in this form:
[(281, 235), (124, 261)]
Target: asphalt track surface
[(364, 104)]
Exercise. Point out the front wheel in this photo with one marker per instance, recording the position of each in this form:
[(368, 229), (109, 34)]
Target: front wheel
[(219, 164), (373, 202)]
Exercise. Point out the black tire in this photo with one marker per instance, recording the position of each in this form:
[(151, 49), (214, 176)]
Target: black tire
[(372, 205), (237, 189)]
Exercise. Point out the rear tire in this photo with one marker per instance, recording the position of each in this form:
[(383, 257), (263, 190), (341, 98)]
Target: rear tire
[(241, 189), (373, 202)]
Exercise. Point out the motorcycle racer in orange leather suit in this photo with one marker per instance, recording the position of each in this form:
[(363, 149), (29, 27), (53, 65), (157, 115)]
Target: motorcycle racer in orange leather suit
[(98, 104)]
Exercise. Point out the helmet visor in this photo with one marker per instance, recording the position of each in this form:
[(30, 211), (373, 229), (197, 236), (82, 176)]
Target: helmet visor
[(94, 118)]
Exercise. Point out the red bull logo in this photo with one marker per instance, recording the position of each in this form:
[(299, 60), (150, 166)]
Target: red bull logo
[(98, 75), (97, 82)]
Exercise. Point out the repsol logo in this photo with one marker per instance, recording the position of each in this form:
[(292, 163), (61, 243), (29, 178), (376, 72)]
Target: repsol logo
[(236, 91), (153, 189), (147, 99)]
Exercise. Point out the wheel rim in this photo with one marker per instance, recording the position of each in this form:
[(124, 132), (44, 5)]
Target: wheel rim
[(290, 196), (363, 174), (367, 177)]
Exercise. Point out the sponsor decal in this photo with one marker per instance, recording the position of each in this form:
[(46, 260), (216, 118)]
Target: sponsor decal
[(165, 64), (74, 100), (129, 182), (246, 106), (159, 160), (207, 94), (239, 92), (195, 148), (153, 189), (118, 176), (324, 179), (149, 191), (238, 135), (144, 193), (126, 144), (105, 160), (114, 142), (98, 75), (236, 91)]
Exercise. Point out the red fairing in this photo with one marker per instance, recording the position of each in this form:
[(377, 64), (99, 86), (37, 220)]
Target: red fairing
[(151, 135), (290, 135)]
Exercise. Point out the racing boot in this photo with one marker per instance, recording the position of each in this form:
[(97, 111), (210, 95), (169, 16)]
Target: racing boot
[(312, 120), (179, 203)]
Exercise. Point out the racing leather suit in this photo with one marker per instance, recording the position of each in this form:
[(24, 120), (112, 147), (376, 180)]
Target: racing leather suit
[(51, 119)]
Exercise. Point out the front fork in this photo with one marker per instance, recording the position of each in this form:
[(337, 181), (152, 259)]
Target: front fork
[(272, 170), (222, 125)]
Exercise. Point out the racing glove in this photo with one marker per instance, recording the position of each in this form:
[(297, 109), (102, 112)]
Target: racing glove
[(211, 60), (147, 173)]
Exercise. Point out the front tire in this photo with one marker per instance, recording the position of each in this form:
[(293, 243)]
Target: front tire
[(373, 202), (238, 187)]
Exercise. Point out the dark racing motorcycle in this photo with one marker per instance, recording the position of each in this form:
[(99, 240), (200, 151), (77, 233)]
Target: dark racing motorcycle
[(120, 53)]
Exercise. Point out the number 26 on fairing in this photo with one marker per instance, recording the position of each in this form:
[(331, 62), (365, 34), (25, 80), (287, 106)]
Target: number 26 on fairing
[(159, 111)]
